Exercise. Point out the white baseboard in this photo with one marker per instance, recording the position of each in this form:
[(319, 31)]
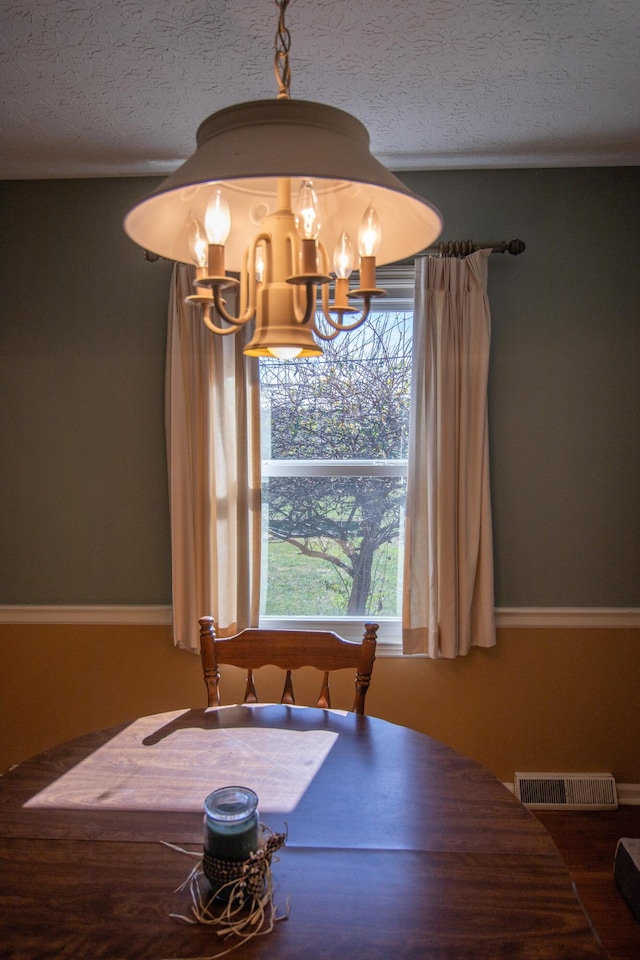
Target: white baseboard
[(628, 793)]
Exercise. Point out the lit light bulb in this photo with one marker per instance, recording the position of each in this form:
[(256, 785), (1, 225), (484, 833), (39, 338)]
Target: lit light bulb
[(259, 264), (343, 256), (285, 353), (369, 234), (198, 244), (307, 213), (217, 219)]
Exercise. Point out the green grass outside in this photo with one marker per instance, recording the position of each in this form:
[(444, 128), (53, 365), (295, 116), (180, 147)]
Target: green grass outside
[(311, 587)]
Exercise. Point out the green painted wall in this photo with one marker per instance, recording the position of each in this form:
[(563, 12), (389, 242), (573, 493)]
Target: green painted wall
[(83, 487), (564, 391), (83, 500)]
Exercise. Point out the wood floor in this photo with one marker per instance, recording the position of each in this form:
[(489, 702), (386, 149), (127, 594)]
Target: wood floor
[(587, 841)]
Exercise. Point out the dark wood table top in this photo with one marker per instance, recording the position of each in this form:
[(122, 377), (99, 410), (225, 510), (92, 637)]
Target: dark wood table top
[(398, 847)]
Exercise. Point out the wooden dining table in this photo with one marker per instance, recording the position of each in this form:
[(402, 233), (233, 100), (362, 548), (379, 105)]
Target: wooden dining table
[(397, 847)]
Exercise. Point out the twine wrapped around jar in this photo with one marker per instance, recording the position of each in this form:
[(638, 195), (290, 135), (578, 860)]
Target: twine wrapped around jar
[(234, 880), (246, 909)]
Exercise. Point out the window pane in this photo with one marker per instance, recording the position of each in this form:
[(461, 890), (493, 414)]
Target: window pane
[(350, 404), (334, 546)]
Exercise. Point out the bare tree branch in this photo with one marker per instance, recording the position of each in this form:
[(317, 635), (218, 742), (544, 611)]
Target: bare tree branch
[(350, 404)]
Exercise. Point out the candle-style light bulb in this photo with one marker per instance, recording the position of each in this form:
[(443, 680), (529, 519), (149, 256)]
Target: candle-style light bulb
[(369, 234), (259, 264), (307, 212), (343, 256), (198, 244), (217, 219)]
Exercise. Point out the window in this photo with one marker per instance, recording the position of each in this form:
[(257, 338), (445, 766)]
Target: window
[(334, 463)]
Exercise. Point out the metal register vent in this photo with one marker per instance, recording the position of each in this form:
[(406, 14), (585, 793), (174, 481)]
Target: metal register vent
[(567, 791)]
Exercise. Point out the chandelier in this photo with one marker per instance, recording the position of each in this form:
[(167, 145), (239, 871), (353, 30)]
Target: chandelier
[(281, 201)]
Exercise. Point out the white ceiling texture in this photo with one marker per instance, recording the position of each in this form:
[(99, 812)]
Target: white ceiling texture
[(93, 88)]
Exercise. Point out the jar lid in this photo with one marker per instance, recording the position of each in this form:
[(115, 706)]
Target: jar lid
[(231, 804)]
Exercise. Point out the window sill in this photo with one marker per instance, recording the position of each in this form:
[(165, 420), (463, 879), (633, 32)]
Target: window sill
[(349, 628)]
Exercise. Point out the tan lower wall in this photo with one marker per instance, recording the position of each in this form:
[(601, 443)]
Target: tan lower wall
[(547, 700)]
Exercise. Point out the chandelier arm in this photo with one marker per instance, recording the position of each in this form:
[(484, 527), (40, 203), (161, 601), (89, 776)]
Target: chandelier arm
[(245, 285), (222, 331), (342, 327), (317, 332), (325, 305), (222, 310), (324, 259), (248, 277), (310, 305), (299, 314)]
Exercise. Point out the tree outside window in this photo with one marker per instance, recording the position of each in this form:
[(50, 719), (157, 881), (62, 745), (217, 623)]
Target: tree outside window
[(334, 448)]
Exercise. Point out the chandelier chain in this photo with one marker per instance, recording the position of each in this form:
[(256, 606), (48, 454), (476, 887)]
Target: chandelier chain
[(283, 43)]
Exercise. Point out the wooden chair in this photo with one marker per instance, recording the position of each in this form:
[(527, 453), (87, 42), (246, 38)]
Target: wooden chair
[(288, 649)]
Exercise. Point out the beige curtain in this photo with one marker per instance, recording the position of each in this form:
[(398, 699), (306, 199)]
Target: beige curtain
[(213, 448), (448, 602)]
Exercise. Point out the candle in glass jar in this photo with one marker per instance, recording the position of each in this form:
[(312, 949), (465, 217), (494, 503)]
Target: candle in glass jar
[(231, 823)]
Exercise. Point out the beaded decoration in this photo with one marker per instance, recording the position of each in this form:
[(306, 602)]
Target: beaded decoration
[(239, 901)]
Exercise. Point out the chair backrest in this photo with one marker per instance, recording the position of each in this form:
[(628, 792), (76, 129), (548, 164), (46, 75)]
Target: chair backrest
[(289, 650)]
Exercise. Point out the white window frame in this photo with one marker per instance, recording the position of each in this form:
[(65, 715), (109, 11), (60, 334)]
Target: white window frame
[(334, 468), (396, 279)]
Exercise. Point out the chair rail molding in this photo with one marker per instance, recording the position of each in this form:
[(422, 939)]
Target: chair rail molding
[(145, 614), (160, 614), (587, 617)]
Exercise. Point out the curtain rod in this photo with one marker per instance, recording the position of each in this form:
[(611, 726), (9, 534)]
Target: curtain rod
[(462, 248)]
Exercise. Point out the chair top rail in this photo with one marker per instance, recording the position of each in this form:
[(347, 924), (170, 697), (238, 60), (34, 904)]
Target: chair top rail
[(253, 648)]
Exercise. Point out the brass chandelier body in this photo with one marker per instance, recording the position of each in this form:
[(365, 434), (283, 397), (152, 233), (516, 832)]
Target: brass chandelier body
[(270, 203)]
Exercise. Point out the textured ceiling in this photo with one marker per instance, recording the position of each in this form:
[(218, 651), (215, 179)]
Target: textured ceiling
[(118, 87)]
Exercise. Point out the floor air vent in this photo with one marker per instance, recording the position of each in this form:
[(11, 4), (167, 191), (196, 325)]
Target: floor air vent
[(566, 791)]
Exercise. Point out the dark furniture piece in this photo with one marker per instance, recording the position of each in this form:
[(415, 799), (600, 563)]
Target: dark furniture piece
[(398, 847), (289, 650)]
